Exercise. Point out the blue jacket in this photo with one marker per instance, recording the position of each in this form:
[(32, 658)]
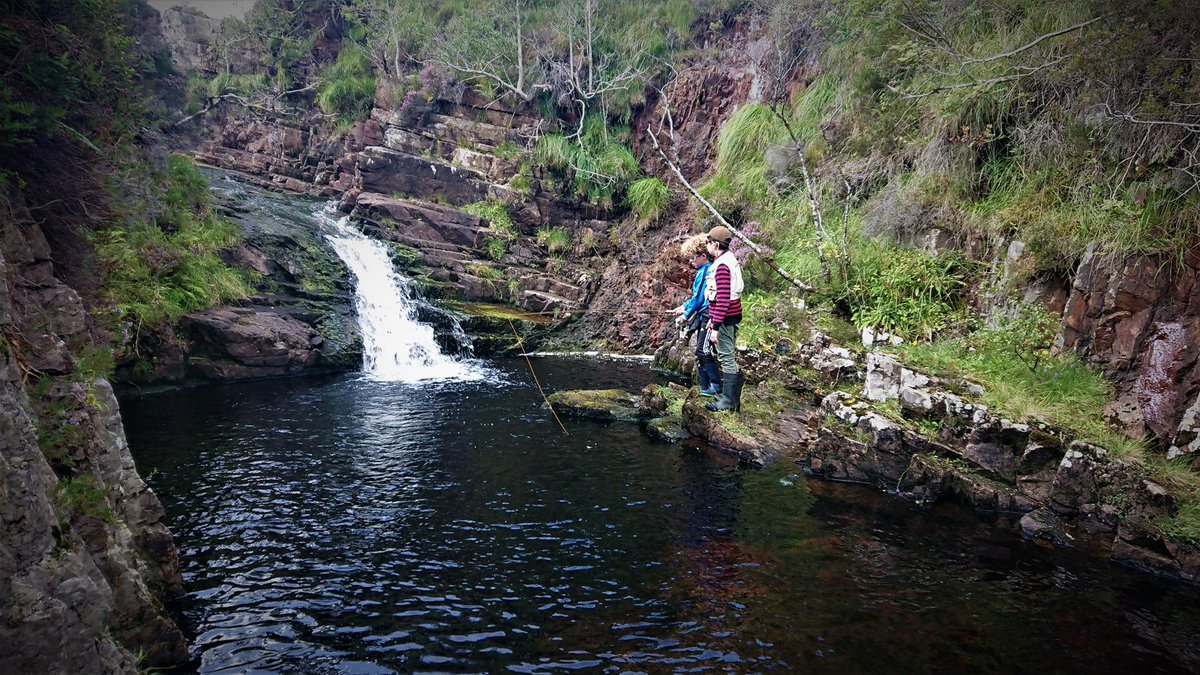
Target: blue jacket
[(697, 303)]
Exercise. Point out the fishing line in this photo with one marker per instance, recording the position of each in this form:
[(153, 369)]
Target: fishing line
[(521, 345)]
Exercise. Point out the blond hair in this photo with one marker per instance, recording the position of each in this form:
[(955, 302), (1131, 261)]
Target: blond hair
[(693, 246)]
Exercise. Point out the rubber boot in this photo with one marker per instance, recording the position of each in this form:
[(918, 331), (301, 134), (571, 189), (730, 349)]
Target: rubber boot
[(735, 396), (704, 378), (731, 395), (709, 365)]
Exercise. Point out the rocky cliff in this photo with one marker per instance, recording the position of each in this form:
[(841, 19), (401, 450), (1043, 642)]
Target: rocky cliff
[(1138, 319), (414, 178), (85, 560)]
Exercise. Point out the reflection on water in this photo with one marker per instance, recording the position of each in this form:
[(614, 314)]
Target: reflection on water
[(347, 525)]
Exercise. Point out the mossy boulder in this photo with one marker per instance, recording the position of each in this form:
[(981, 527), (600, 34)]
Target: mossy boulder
[(667, 429), (602, 404), (663, 400), (722, 430)]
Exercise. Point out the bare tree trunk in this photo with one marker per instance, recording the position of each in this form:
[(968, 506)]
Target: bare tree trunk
[(818, 220), (814, 205)]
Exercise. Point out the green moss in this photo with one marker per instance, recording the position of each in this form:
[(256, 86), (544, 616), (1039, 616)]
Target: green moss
[(404, 257), (611, 404), (502, 312)]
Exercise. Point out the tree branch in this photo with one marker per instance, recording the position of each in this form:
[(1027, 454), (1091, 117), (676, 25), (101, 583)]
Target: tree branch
[(768, 258), (1035, 42)]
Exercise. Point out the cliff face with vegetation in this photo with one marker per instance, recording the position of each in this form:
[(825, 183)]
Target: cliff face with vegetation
[(93, 243)]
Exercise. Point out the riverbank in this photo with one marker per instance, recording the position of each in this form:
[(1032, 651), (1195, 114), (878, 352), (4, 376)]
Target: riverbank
[(862, 416)]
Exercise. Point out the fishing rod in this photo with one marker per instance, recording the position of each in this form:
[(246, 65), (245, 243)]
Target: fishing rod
[(600, 311), (528, 362)]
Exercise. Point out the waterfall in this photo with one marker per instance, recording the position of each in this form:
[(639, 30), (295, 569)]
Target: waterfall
[(396, 346)]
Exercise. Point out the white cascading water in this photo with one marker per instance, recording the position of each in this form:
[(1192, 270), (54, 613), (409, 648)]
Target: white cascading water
[(396, 346)]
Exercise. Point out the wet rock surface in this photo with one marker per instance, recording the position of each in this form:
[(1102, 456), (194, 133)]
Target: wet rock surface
[(299, 320), (247, 343), (448, 247)]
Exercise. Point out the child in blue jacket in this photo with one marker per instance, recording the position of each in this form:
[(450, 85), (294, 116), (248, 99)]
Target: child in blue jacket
[(695, 312)]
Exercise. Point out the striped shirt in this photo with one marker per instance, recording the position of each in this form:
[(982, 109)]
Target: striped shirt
[(722, 308)]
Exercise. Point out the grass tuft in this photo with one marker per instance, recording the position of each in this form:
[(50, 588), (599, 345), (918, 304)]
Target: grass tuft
[(554, 239), (648, 197), (348, 90)]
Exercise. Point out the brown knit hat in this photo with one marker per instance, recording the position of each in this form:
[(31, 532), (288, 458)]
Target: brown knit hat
[(721, 234)]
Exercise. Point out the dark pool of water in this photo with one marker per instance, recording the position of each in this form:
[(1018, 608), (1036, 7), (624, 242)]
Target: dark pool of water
[(342, 525)]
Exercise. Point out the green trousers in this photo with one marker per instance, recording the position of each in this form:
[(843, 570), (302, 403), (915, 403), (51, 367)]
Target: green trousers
[(727, 348)]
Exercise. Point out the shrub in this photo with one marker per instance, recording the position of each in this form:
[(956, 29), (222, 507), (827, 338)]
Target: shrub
[(160, 270), (1028, 335), (903, 291)]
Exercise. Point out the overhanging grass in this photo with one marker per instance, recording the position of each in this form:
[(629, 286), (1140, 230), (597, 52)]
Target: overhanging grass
[(348, 88), (597, 165), (157, 271), (740, 172), (648, 197)]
